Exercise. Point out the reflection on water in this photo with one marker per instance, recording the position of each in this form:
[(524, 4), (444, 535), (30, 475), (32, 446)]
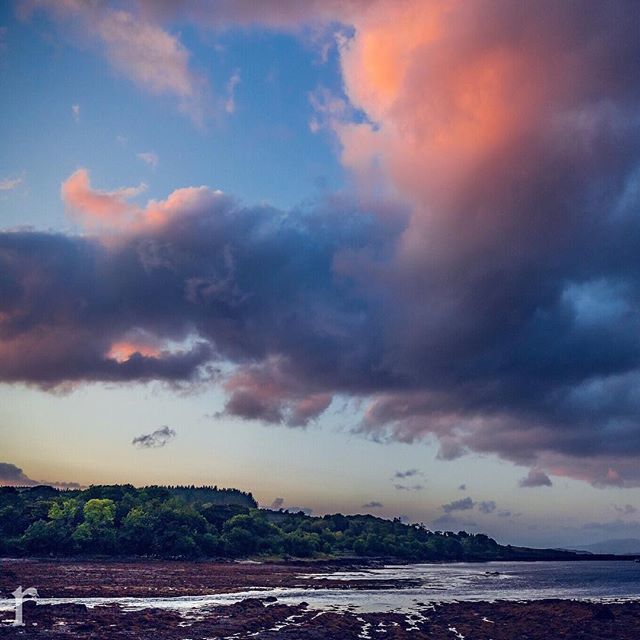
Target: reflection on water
[(438, 583)]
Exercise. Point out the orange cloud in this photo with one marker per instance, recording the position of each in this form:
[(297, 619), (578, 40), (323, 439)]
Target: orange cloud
[(122, 351), (442, 97)]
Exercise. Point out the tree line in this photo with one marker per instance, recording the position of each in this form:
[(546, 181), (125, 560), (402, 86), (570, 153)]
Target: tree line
[(207, 522)]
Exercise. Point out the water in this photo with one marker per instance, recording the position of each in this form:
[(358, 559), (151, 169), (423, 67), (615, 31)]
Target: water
[(597, 581)]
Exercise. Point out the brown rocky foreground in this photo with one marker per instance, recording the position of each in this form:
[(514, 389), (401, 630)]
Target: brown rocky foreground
[(162, 578), (267, 618), (252, 618)]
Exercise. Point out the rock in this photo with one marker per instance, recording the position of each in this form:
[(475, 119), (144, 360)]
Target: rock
[(602, 612)]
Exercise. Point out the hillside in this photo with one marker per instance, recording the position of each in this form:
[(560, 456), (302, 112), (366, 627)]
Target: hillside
[(191, 522)]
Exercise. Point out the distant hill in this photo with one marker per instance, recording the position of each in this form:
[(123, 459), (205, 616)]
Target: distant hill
[(620, 546)]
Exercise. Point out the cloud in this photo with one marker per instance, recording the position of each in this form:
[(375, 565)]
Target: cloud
[(464, 504), (627, 509), (136, 47), (230, 102), (150, 158), (75, 112), (99, 209), (487, 299), (277, 504), (409, 473), (11, 475), (462, 487), (14, 476), (155, 440), (444, 91), (374, 504), (450, 449), (407, 487), (487, 506), (536, 478), (10, 183), (258, 393)]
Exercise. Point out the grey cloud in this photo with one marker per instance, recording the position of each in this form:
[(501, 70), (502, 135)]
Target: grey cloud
[(627, 509), (155, 440), (487, 506), (12, 475), (409, 473), (536, 478), (463, 504)]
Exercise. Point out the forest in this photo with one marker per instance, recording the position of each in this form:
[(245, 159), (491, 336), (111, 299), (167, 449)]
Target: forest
[(208, 522)]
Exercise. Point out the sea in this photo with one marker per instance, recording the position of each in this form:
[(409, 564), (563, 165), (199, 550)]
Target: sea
[(423, 584)]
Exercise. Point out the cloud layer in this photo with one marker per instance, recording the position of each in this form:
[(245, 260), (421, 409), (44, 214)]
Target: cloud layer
[(493, 305)]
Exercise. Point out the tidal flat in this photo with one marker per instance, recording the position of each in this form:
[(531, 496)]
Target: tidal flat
[(175, 600)]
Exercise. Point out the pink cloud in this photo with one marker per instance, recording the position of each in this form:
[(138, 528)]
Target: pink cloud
[(111, 213), (99, 209), (270, 393)]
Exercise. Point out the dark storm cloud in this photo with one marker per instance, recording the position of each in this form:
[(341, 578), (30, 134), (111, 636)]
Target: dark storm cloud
[(155, 440), (501, 317)]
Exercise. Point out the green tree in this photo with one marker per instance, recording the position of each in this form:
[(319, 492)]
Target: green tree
[(96, 534)]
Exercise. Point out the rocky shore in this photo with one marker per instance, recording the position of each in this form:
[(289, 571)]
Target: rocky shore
[(264, 619), (163, 578)]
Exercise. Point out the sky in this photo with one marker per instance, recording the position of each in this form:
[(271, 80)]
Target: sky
[(368, 256)]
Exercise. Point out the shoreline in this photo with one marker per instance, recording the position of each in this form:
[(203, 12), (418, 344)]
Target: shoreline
[(267, 619), (154, 578), (265, 616)]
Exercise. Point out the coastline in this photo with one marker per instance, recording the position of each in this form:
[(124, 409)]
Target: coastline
[(265, 616), (264, 619)]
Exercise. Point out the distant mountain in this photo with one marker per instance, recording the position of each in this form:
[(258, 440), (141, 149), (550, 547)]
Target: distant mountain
[(621, 546)]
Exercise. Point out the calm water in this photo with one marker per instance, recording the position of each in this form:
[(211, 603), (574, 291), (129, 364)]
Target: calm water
[(438, 583)]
